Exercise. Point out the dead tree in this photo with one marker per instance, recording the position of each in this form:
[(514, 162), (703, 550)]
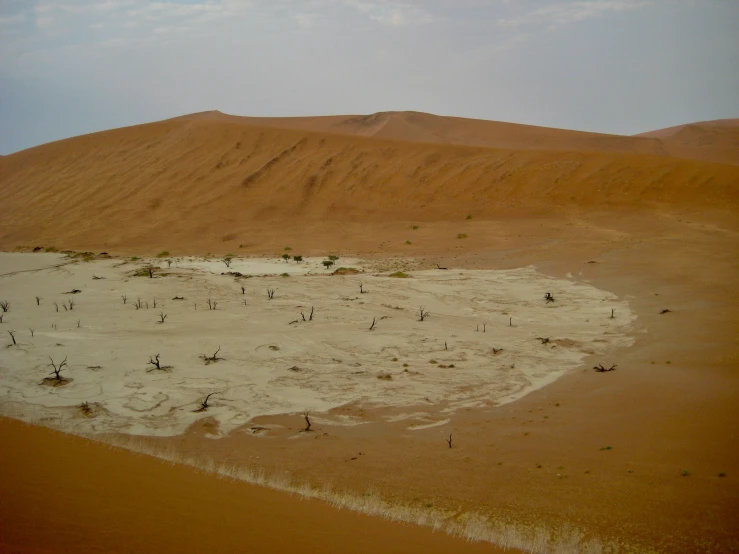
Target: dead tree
[(439, 267), (548, 297), (147, 304), (1, 317), (204, 404), (449, 440), (361, 289), (422, 314), (612, 314), (38, 300), (162, 317), (32, 331), (372, 327), (307, 421), (212, 304), (270, 293), (665, 311), (78, 324), (124, 297), (445, 346), (154, 302), (310, 317), (243, 289), (544, 340), (138, 304), (5, 305), (56, 306), (155, 362), (496, 350), (12, 336), (96, 278), (484, 327), (212, 359), (510, 322), (150, 269), (71, 304), (57, 369), (600, 369)]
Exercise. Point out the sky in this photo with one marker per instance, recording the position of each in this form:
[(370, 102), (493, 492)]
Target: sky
[(70, 67)]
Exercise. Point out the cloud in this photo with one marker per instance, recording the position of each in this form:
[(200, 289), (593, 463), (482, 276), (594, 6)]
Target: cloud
[(564, 13)]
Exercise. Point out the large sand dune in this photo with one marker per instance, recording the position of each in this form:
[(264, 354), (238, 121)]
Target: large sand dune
[(197, 183)]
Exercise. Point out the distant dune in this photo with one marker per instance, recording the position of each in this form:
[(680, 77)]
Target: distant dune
[(213, 175)]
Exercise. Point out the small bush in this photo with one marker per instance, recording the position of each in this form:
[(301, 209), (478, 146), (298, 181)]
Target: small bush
[(284, 275), (414, 227), (385, 377), (461, 235), (134, 258), (408, 242), (52, 249), (607, 448), (469, 216), (287, 249), (346, 271), (399, 275), (163, 254), (685, 473)]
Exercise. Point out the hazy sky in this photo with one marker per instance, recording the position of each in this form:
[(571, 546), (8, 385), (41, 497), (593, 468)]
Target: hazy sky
[(69, 67)]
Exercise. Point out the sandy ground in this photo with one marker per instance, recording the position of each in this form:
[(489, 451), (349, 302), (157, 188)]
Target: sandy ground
[(490, 338), (641, 459), (134, 503)]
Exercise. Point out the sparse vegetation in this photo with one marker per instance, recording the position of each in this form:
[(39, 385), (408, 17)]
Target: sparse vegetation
[(163, 254), (399, 275), (461, 235)]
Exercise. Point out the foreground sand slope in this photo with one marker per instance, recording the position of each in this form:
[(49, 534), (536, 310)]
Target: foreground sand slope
[(110, 500), (199, 183)]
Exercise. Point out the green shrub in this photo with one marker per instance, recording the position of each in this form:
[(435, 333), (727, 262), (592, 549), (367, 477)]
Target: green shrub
[(163, 254), (461, 235), (399, 275)]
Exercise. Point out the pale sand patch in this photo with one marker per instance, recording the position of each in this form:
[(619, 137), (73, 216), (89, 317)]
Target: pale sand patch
[(272, 366)]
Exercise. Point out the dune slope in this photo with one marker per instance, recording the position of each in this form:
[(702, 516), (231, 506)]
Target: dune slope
[(201, 180)]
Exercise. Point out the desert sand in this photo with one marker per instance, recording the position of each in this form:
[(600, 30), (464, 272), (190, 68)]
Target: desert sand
[(642, 458)]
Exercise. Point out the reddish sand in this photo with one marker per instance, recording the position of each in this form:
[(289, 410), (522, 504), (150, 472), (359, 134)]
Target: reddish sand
[(662, 230), (66, 494)]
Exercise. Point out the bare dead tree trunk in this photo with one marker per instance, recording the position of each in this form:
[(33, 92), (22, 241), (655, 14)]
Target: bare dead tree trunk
[(162, 317), (373, 324), (31, 332), (124, 297), (12, 336), (422, 313), (243, 289), (612, 313), (155, 362), (449, 440), (38, 300), (307, 421), (310, 318), (57, 369), (204, 403)]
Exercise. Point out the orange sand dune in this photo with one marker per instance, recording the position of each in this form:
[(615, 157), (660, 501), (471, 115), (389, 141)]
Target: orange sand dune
[(423, 127), (196, 183), (716, 141)]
